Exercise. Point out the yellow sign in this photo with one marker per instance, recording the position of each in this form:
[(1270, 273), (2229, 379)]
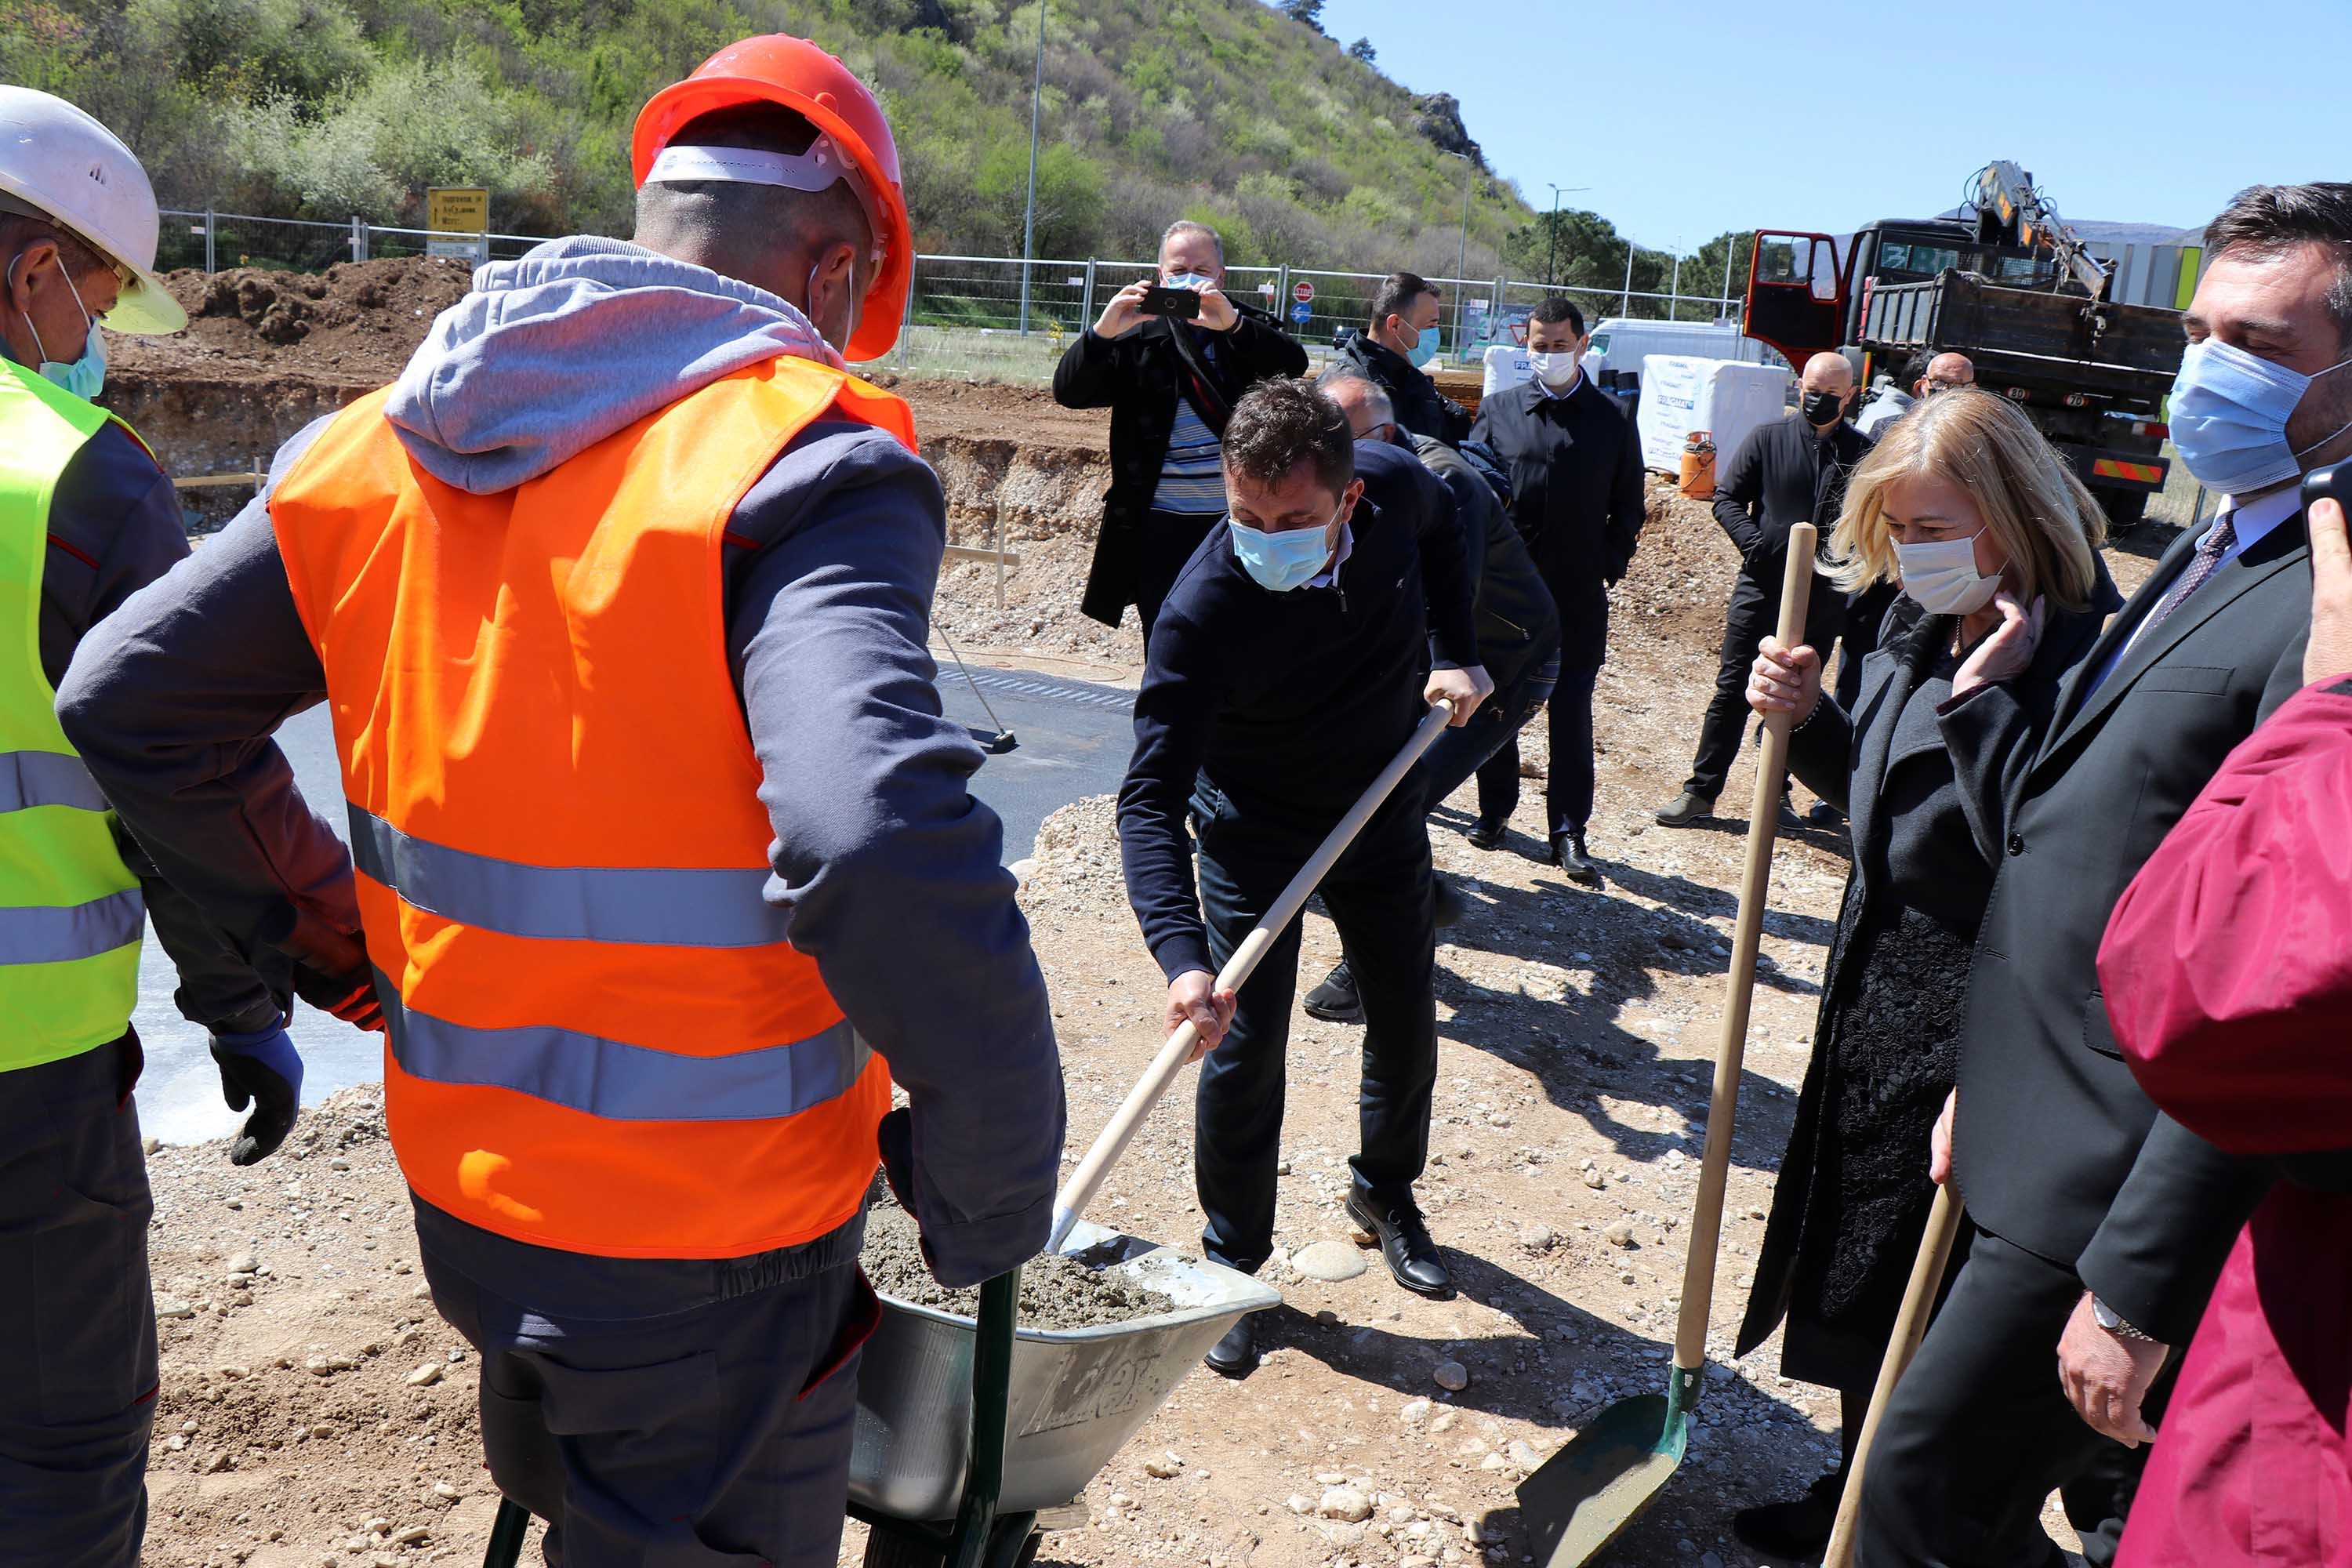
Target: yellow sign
[(455, 210)]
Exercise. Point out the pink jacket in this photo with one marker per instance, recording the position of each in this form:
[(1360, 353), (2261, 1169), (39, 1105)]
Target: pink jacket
[(2228, 974)]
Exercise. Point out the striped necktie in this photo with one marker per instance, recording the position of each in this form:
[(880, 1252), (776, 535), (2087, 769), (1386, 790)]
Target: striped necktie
[(2203, 564)]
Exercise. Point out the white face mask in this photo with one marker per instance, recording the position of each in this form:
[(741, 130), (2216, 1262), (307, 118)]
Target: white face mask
[(1941, 577), (1556, 369)]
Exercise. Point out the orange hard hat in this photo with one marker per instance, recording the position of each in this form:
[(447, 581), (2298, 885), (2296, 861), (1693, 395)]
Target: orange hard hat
[(795, 73)]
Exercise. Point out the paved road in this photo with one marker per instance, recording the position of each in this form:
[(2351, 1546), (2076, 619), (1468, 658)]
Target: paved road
[(1074, 742)]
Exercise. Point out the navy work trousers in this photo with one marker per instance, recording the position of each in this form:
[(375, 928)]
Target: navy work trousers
[(1379, 896), (663, 1413), (1493, 730), (77, 1322)]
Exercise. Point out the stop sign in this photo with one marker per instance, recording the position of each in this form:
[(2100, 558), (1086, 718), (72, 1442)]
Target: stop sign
[(1302, 290)]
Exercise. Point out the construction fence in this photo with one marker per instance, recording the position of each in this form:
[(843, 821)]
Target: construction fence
[(955, 296)]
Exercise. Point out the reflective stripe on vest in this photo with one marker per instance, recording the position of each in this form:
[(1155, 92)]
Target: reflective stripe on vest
[(70, 911), (601, 1037)]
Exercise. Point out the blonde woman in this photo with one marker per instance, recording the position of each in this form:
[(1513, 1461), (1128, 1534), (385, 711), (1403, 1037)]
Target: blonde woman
[(1994, 543)]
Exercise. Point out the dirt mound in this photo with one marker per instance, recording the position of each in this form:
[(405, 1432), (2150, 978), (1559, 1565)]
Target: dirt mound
[(1056, 1292), (355, 324)]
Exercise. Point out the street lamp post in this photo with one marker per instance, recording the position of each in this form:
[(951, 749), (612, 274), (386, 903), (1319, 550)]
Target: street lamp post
[(1553, 254), (1029, 223), (1462, 255)]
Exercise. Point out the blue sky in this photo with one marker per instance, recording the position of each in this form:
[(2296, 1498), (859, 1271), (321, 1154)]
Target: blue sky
[(1690, 117)]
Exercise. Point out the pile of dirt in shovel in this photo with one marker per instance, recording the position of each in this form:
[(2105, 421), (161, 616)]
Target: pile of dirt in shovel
[(1056, 1292)]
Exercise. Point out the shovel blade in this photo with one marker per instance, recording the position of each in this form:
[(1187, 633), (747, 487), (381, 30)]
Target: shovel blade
[(1583, 1497)]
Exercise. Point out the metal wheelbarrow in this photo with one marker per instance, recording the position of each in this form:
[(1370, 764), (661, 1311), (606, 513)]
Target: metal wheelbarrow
[(974, 1435)]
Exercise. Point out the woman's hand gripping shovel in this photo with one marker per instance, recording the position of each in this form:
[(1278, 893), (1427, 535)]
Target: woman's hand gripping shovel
[(1584, 1495), (1087, 1179)]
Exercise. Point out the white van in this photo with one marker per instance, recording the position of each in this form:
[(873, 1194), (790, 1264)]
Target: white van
[(1621, 343)]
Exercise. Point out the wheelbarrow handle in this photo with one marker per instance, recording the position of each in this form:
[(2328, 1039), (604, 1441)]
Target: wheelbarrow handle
[(1732, 1045), (1086, 1181)]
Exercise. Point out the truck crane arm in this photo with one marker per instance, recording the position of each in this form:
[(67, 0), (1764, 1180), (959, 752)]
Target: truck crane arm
[(2011, 211)]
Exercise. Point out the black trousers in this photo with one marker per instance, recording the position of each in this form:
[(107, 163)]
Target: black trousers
[(77, 1324), (1169, 540), (1568, 767), (1979, 1433), (1753, 615), (1379, 896)]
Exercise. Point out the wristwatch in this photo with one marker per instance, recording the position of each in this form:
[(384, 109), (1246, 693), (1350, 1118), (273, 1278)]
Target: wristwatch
[(2104, 1316)]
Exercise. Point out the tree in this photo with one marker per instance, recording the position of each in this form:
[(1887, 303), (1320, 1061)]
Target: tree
[(1361, 50), (1306, 13)]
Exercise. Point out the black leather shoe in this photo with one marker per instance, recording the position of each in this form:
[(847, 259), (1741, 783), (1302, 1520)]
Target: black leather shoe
[(1568, 854), (1823, 814), (1235, 1356), (1799, 1529), (1404, 1244), (1334, 1000), (1687, 808), (1486, 835)]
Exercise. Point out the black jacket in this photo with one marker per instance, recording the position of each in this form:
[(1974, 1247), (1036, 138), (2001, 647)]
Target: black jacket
[(1782, 475), (115, 527), (1928, 820), (1518, 628), (1420, 407), (1289, 704), (2057, 1149), (1576, 497), (1138, 377)]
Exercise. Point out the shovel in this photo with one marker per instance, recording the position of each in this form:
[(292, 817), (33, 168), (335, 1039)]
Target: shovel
[(1583, 1497), (1087, 1179), (1910, 1324)]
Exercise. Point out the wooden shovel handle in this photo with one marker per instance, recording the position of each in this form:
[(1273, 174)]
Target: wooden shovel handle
[(1112, 1142), (1910, 1326), (1755, 880)]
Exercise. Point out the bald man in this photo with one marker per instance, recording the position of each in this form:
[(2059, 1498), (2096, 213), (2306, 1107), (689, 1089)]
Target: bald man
[(1790, 471)]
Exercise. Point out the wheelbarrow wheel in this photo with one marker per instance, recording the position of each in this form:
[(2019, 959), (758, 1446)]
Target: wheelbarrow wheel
[(1013, 1543)]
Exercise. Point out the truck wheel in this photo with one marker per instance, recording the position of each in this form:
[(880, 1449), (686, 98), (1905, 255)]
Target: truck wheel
[(2124, 508), (1011, 1544)]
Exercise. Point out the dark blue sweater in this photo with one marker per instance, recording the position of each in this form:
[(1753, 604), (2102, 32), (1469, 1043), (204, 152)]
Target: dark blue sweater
[(1289, 704)]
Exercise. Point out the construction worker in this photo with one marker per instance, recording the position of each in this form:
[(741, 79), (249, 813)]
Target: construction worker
[(619, 598), (87, 517)]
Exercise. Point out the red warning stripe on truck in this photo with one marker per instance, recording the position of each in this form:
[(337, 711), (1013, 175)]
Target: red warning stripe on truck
[(2137, 473)]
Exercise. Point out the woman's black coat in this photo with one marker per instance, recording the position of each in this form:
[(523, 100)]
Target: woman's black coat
[(1852, 1194)]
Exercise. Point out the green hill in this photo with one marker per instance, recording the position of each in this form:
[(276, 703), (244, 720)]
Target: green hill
[(1222, 109)]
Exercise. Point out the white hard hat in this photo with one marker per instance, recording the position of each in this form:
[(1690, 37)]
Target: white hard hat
[(62, 163)]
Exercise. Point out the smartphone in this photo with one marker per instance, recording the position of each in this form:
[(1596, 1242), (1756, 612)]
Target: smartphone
[(2330, 483), (1180, 304)]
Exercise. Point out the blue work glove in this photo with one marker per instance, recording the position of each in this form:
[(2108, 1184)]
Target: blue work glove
[(261, 1070)]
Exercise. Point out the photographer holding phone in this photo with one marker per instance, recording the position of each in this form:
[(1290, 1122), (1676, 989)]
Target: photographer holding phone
[(1168, 383)]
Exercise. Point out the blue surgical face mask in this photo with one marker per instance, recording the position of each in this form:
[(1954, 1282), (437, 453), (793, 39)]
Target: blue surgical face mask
[(1424, 347), (85, 376), (1283, 561), (1195, 281), (2228, 415)]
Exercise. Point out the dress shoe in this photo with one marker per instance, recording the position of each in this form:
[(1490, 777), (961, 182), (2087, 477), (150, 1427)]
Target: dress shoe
[(1235, 1356), (1452, 908), (1688, 807), (1825, 816), (1788, 817), (1404, 1244), (1484, 835), (1334, 1000), (1568, 854), (1800, 1529)]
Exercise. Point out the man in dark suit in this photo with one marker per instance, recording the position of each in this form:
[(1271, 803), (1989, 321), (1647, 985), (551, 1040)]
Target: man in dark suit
[(1789, 471), (1576, 497), (1390, 353), (2103, 1225)]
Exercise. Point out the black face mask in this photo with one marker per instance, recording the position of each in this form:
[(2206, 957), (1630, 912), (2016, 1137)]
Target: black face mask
[(1822, 408)]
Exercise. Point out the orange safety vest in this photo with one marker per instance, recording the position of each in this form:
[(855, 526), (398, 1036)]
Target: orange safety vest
[(599, 1038)]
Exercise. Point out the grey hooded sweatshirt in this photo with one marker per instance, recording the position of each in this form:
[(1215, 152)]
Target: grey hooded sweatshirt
[(889, 870)]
